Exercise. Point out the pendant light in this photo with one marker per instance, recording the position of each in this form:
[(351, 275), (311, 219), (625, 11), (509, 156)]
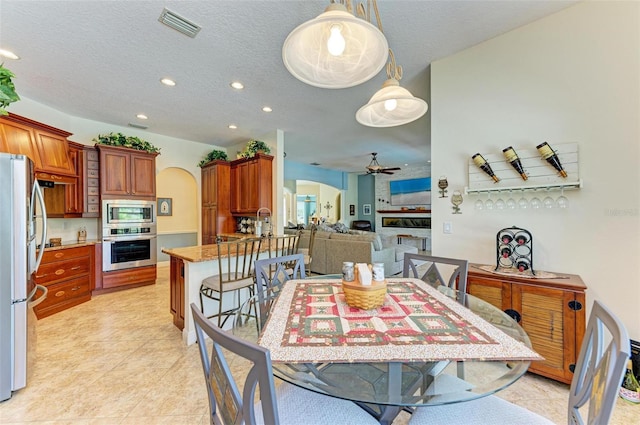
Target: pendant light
[(336, 49), (392, 105)]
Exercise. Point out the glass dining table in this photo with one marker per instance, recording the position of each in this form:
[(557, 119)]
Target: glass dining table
[(420, 348)]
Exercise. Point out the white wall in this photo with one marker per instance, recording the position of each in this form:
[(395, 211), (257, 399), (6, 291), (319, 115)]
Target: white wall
[(570, 77)]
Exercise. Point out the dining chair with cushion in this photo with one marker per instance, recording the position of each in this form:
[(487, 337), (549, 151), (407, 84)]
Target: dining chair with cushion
[(235, 273), (596, 380), (438, 271), (285, 404)]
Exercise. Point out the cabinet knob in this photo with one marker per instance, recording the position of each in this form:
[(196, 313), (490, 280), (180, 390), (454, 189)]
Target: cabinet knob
[(59, 294)]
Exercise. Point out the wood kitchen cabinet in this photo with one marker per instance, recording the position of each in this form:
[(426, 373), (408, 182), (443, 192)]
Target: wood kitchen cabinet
[(251, 184), (46, 146), (551, 311), (82, 197), (216, 201), (176, 273), (127, 173), (68, 275)]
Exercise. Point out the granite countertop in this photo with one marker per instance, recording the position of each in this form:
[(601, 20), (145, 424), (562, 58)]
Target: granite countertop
[(70, 244), (196, 254)]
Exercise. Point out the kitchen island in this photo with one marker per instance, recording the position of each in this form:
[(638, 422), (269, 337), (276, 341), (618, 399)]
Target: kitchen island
[(188, 267)]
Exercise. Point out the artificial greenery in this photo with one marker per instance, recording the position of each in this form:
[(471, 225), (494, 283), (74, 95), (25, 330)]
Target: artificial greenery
[(253, 147), (119, 139), (7, 89), (212, 156)]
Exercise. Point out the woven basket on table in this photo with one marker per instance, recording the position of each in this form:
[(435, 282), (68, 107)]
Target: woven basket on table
[(364, 297)]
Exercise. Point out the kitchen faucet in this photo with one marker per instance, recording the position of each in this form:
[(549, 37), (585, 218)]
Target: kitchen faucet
[(267, 220)]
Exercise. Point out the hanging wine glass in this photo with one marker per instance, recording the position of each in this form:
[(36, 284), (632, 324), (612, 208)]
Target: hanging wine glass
[(456, 200), (536, 203), (548, 201), (499, 204), (488, 204), (478, 205), (511, 203), (562, 201), (523, 203)]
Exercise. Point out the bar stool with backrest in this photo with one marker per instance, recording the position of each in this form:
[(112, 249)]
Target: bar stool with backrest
[(284, 404), (308, 252), (235, 273)]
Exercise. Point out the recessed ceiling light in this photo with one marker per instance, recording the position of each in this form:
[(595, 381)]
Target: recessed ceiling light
[(9, 55), (267, 109), (233, 126), (168, 82), (428, 161), (142, 116), (237, 85)]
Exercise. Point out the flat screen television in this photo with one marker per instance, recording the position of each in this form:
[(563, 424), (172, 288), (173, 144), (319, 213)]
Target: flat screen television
[(411, 192)]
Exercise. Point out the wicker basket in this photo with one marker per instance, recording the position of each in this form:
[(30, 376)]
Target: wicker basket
[(364, 297)]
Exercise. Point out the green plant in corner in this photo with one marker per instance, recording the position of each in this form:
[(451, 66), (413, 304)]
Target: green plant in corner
[(212, 156), (119, 139), (7, 89)]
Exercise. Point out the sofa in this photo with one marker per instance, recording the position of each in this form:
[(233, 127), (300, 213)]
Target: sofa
[(331, 249)]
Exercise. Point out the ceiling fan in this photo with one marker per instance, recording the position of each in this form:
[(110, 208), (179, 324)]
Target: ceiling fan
[(375, 168)]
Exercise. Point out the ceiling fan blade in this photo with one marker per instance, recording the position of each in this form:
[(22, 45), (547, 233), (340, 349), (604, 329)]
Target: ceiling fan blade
[(386, 172), (392, 169)]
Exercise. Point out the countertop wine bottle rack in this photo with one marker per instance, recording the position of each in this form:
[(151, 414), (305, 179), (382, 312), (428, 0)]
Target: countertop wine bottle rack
[(540, 175)]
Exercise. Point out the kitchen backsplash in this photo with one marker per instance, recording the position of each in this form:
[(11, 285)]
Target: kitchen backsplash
[(67, 229)]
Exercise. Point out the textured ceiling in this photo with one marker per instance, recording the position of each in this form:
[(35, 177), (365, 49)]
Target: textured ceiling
[(102, 60)]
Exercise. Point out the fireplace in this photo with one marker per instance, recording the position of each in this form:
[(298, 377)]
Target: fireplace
[(407, 222)]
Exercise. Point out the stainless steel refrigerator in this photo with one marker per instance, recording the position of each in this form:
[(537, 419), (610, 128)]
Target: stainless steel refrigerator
[(22, 215)]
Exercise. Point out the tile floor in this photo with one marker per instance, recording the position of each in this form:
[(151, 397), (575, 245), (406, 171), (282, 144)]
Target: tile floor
[(118, 359)]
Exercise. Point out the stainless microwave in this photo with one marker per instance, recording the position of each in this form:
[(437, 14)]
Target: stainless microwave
[(118, 212)]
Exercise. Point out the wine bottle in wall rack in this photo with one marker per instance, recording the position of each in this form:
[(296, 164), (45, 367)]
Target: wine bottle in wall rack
[(484, 166), (551, 157), (513, 159)]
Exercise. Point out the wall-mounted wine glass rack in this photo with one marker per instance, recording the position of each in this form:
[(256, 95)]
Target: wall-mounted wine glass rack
[(540, 175)]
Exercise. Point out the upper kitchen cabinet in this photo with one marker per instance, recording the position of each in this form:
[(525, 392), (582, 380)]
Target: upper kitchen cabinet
[(127, 173), (45, 145), (251, 184)]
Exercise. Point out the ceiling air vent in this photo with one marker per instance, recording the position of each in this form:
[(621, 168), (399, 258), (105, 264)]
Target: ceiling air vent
[(178, 23), (143, 127), (314, 163)]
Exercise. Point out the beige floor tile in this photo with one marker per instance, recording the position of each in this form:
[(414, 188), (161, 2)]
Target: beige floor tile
[(118, 359)]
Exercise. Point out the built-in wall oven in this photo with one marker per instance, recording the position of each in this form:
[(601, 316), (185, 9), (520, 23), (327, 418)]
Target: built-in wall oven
[(129, 236)]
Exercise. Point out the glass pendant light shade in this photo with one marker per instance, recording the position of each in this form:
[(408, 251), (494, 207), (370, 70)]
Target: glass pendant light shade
[(390, 106), (335, 50)]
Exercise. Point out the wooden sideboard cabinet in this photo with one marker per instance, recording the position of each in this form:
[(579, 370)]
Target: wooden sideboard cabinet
[(216, 201), (251, 184), (551, 311), (127, 173), (68, 275)]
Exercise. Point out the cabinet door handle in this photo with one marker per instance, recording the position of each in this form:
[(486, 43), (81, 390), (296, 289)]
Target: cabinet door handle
[(75, 288), (75, 268)]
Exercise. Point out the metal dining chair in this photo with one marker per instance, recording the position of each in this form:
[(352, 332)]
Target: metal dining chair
[(235, 273), (272, 273), (433, 269), (596, 380), (284, 404)]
